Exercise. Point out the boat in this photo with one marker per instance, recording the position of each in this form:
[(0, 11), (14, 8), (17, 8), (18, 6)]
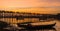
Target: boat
[(41, 24), (3, 24)]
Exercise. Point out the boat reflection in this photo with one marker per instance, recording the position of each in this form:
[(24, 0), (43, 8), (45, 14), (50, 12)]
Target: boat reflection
[(44, 29)]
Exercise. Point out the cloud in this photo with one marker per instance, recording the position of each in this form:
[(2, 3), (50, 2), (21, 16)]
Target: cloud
[(49, 0), (29, 3), (8, 4)]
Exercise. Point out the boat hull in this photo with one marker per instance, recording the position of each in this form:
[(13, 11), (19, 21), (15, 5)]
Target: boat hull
[(38, 25)]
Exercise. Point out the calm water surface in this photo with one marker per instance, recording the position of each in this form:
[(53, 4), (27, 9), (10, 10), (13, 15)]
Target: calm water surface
[(14, 21)]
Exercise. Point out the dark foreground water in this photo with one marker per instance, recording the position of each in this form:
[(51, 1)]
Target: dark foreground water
[(13, 21)]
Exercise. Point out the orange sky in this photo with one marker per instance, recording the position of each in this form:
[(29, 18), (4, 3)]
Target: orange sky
[(13, 4)]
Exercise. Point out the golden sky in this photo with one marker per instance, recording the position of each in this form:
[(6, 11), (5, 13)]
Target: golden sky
[(53, 6)]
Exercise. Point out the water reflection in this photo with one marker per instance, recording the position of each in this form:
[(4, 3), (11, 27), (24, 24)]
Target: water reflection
[(4, 30), (44, 29), (10, 20)]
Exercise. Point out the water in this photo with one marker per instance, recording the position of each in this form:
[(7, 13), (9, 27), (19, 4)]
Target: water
[(14, 21)]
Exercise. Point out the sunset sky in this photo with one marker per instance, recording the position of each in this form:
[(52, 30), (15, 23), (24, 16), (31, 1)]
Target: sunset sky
[(53, 6)]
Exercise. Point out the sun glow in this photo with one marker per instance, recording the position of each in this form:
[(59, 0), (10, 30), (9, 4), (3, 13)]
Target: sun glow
[(46, 6)]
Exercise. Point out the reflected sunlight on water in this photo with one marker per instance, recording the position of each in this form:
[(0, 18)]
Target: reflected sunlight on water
[(14, 20)]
